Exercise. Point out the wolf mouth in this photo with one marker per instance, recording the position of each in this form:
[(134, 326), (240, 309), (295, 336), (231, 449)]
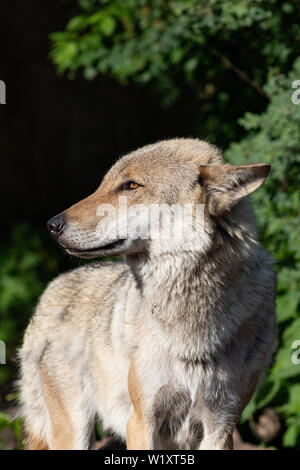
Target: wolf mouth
[(108, 247)]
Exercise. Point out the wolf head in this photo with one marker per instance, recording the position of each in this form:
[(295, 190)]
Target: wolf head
[(170, 196)]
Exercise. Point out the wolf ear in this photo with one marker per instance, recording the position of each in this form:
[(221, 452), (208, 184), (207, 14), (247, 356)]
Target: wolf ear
[(225, 185)]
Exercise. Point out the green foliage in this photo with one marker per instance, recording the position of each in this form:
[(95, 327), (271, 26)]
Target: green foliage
[(15, 425), (170, 42), (191, 51), (273, 137)]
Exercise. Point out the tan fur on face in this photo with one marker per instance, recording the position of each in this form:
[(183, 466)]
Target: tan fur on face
[(181, 159)]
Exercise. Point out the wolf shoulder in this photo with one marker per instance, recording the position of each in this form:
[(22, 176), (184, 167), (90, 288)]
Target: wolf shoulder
[(74, 289)]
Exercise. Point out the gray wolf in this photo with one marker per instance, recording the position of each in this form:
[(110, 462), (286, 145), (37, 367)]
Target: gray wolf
[(168, 347)]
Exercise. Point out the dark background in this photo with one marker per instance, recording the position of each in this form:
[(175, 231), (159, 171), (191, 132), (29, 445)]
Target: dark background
[(58, 136)]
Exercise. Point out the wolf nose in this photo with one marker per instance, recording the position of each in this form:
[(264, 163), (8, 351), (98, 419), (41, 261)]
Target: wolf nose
[(56, 226)]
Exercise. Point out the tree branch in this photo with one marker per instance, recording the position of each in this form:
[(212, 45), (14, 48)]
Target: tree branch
[(241, 74)]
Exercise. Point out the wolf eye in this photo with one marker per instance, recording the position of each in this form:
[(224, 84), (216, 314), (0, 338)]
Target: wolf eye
[(130, 185)]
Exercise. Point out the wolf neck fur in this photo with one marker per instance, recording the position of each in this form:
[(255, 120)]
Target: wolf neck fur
[(187, 294)]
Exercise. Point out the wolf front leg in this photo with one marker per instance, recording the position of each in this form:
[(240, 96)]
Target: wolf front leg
[(139, 433), (220, 420), (216, 435)]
